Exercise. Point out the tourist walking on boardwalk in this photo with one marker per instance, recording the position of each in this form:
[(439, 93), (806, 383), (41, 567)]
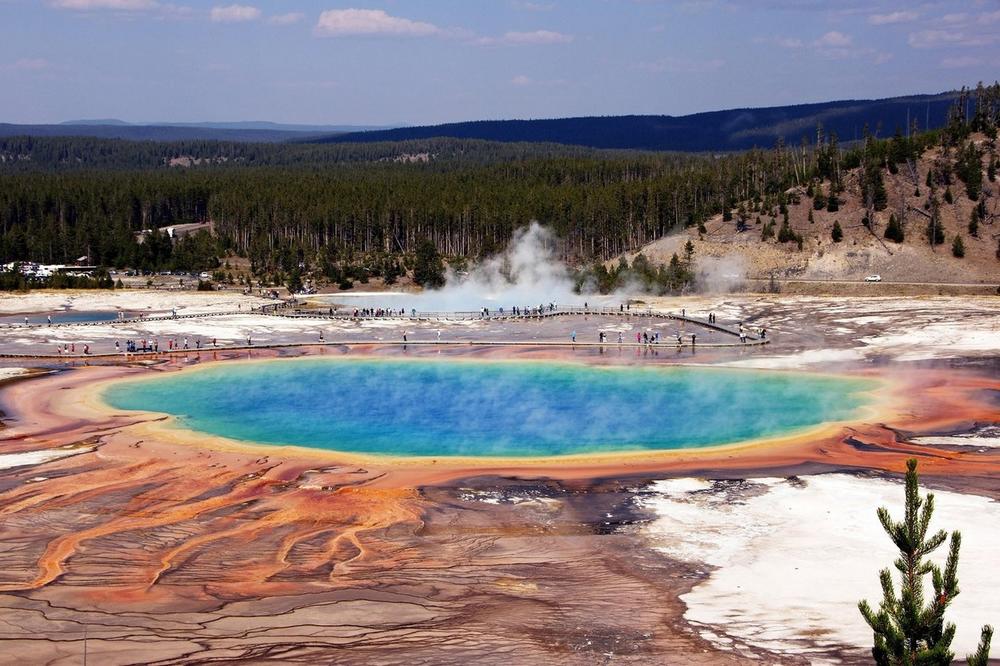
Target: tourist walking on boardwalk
[(404, 336), (439, 335), (621, 338), (48, 318), (573, 336)]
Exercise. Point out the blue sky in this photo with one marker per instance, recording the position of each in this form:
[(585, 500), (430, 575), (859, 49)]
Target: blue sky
[(400, 61)]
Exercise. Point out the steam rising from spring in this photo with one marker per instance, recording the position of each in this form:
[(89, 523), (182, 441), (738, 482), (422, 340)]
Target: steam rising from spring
[(527, 274), (720, 275)]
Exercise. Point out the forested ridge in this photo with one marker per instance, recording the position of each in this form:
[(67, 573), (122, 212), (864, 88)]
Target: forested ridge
[(32, 153), (726, 130), (365, 212), (597, 207)]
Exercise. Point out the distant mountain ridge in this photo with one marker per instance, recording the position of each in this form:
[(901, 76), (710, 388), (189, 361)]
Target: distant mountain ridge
[(728, 130), (154, 133), (240, 131), (711, 131), (235, 125)]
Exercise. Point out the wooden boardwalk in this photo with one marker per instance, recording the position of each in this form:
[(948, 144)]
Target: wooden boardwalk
[(412, 316)]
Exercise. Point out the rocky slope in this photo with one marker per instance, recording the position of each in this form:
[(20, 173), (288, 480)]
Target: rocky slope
[(724, 254)]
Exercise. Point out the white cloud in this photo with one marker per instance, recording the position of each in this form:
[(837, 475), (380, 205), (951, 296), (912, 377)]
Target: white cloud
[(27, 65), (121, 5), (833, 45), (534, 37), (790, 42), (537, 37), (926, 39), (989, 17), (234, 14), (523, 81), (348, 22), (286, 19), (534, 6), (960, 61), (893, 17), (683, 65), (833, 39)]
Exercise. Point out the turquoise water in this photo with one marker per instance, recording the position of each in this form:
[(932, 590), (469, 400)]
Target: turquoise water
[(451, 408)]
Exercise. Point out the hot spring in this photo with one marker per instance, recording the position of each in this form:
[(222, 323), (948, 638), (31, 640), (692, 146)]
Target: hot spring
[(487, 408)]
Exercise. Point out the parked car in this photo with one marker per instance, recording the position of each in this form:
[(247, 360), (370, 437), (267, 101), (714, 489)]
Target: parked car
[(873, 278)]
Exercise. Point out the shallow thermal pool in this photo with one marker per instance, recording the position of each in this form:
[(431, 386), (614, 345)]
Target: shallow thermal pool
[(485, 408), (63, 317)]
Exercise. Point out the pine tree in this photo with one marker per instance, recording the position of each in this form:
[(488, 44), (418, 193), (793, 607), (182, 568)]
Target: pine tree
[(974, 223), (894, 230), (935, 230), (767, 231), (958, 247), (969, 168), (819, 200), (873, 187), (905, 630), (295, 282), (428, 270), (785, 233), (837, 234)]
